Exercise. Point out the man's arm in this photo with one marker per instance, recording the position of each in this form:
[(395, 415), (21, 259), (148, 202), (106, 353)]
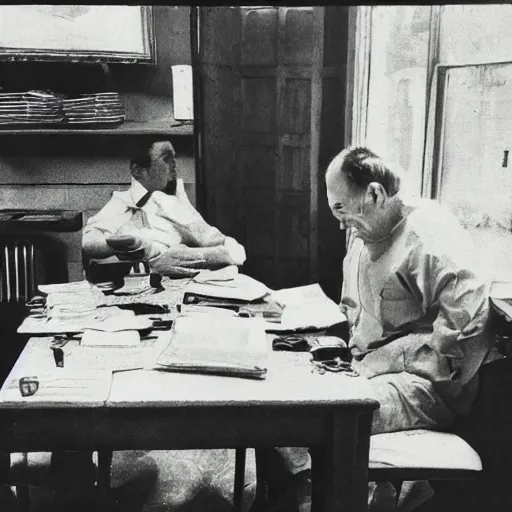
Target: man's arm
[(450, 354), (105, 223), (197, 257), (194, 230)]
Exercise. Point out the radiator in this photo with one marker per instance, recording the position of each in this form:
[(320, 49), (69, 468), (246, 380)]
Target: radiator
[(19, 270)]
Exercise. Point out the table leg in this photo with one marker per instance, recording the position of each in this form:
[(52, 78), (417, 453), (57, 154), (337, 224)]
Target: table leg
[(238, 495), (103, 481), (23, 498), (261, 498), (339, 471), (73, 475)]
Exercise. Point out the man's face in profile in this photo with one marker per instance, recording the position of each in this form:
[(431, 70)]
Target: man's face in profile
[(344, 200), (163, 168)]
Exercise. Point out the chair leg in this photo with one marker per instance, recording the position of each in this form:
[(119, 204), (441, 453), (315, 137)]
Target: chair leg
[(397, 484), (240, 456), (23, 498)]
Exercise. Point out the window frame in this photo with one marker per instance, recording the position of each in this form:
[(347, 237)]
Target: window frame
[(358, 84)]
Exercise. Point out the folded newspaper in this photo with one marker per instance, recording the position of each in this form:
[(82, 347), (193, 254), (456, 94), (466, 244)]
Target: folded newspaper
[(220, 345)]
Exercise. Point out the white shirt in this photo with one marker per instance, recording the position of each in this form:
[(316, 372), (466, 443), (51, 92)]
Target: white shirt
[(152, 221), (121, 210)]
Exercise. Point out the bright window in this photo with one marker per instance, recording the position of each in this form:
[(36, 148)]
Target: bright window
[(450, 65), (395, 125), (475, 159)]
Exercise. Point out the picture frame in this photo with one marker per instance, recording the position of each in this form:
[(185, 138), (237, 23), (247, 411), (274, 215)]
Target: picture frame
[(78, 33)]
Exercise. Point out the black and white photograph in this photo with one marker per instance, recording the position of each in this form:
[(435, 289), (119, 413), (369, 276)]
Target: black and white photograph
[(255, 258)]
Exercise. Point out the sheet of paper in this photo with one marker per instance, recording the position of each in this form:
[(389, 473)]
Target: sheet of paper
[(224, 274), (125, 321), (305, 307), (95, 338), (77, 323), (183, 92), (241, 287), (501, 290), (114, 359), (60, 386)]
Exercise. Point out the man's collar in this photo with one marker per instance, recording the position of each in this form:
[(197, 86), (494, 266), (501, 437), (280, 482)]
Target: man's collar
[(138, 191)]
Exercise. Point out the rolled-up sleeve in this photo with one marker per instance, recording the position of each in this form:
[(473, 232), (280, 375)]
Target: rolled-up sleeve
[(105, 223)]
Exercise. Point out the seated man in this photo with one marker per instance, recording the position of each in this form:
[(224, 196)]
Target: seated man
[(154, 220), (416, 305)]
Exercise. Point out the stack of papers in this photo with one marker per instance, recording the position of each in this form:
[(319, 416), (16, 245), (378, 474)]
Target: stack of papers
[(223, 345), (99, 108), (30, 108)]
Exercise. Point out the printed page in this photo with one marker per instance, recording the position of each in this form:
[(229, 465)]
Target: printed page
[(59, 386), (220, 343)]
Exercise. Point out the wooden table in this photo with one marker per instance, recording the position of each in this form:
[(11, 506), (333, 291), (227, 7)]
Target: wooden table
[(151, 410)]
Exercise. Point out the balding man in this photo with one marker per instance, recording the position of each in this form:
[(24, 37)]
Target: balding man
[(416, 304)]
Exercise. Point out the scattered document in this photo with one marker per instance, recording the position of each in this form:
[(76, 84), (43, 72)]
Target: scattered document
[(39, 324), (124, 338), (242, 287), (305, 307), (124, 321), (116, 331), (114, 359), (223, 345), (228, 273), (60, 386)]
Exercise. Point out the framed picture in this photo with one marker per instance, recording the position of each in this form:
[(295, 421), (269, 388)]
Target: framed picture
[(80, 33)]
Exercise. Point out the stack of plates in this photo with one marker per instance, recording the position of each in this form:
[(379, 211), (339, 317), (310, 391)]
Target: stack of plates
[(100, 108), (29, 108)]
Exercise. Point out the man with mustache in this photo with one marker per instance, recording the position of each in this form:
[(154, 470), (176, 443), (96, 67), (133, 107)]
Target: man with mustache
[(154, 220)]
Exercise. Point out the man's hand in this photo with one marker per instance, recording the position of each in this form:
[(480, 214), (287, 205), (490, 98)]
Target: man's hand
[(235, 250)]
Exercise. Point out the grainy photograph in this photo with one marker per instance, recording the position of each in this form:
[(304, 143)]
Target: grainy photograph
[(254, 258)]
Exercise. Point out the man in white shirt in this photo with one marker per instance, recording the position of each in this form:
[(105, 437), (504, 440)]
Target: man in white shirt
[(154, 220), (416, 302)]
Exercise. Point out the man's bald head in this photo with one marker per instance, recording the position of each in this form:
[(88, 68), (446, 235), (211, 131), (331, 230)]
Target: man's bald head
[(360, 167)]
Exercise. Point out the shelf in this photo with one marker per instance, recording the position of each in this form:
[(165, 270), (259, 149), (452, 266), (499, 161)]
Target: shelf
[(127, 128)]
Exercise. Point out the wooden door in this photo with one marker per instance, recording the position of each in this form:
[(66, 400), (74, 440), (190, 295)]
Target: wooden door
[(262, 72)]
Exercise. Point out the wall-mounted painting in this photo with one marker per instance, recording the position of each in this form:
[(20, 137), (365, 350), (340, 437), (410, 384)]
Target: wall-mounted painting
[(98, 33)]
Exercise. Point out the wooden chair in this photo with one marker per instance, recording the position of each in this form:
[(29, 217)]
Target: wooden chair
[(59, 472), (477, 449), (421, 455)]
